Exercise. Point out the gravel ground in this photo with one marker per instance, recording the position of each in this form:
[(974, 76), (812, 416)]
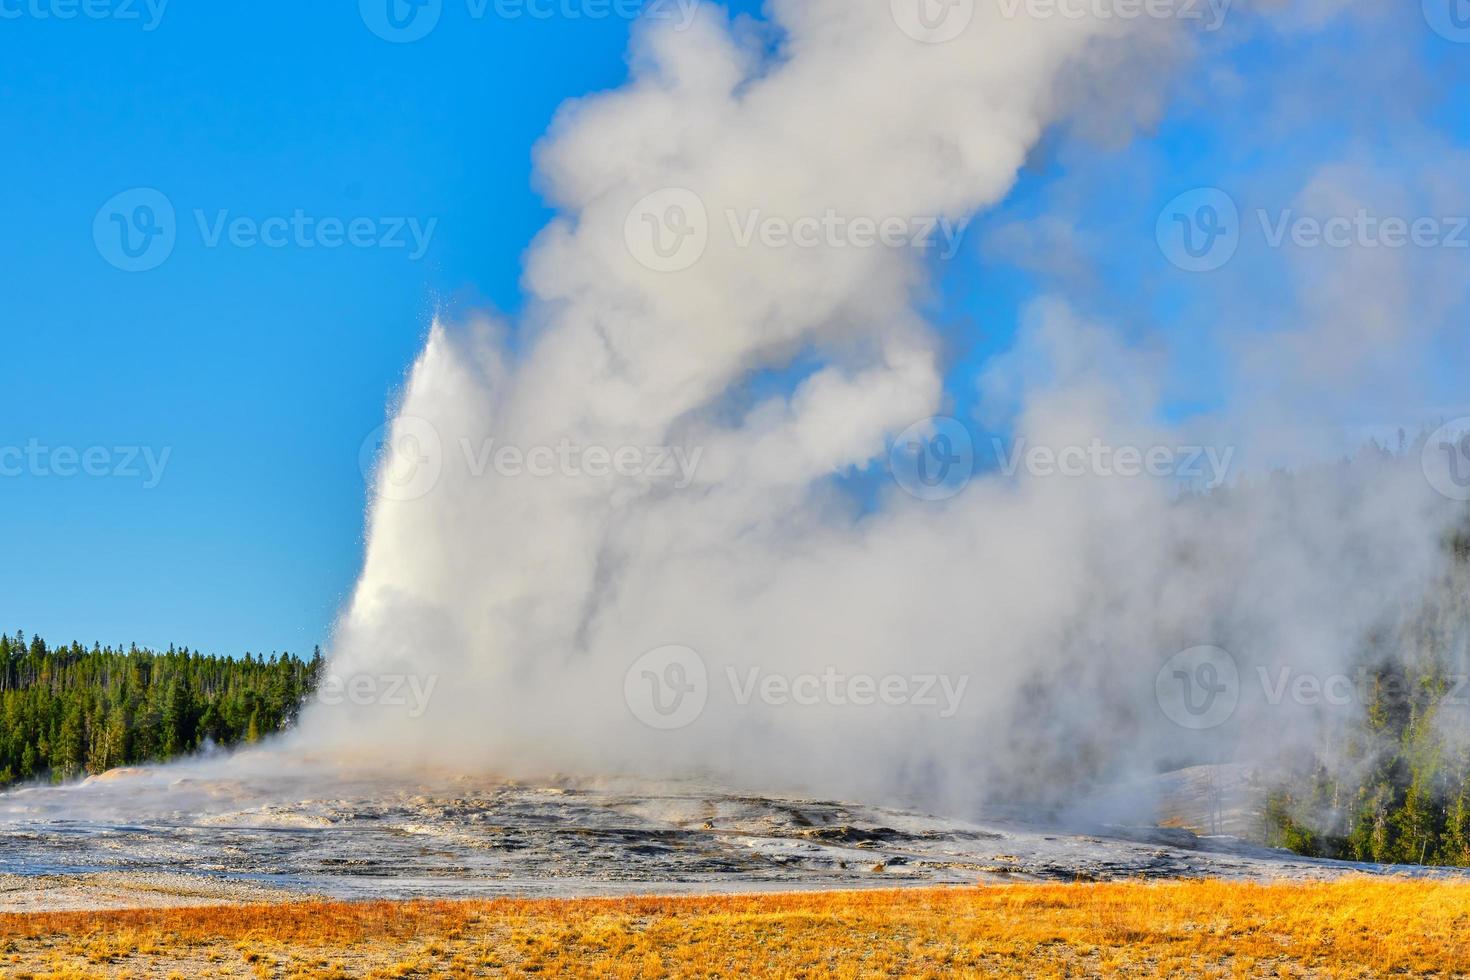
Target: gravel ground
[(130, 890), (232, 834)]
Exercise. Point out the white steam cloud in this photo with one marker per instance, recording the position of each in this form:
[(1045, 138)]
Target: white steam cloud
[(664, 451)]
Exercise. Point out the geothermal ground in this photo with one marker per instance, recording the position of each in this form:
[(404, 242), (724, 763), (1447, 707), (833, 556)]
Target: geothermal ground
[(174, 836)]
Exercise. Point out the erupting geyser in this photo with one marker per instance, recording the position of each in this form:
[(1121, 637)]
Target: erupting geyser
[(676, 448)]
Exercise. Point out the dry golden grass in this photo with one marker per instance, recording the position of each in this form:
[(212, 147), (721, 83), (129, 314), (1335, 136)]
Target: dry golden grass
[(1352, 928)]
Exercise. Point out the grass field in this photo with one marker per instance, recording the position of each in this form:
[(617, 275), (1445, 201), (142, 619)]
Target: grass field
[(1358, 927)]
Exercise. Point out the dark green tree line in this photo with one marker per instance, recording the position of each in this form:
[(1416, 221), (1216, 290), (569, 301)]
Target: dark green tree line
[(70, 711)]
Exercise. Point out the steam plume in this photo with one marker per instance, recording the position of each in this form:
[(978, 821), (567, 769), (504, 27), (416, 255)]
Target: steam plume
[(782, 375)]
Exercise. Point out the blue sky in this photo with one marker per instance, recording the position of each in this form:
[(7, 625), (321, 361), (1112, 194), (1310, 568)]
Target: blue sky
[(261, 370)]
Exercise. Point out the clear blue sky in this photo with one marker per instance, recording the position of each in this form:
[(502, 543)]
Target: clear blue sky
[(261, 370)]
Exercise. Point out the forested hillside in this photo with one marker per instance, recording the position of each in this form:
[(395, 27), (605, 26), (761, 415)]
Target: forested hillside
[(1395, 785), (70, 711)]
